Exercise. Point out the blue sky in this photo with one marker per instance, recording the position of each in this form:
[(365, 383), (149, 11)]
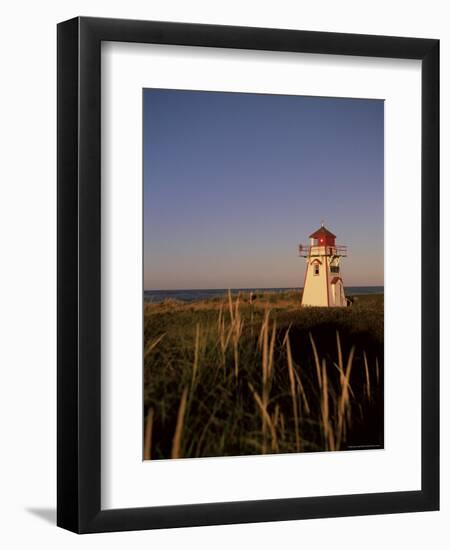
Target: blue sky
[(234, 182)]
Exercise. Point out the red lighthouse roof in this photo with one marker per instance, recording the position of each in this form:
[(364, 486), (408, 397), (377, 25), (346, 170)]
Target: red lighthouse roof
[(322, 233)]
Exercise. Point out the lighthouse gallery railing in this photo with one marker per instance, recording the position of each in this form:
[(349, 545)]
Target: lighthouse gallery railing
[(318, 250)]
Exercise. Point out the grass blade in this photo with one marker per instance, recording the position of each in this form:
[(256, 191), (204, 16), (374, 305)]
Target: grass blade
[(148, 435), (293, 392), (176, 444), (316, 360)]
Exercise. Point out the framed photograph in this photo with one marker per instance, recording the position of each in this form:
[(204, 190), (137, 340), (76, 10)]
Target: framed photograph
[(248, 275)]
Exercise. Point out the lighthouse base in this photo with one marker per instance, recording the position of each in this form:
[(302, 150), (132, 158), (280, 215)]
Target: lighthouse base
[(330, 295)]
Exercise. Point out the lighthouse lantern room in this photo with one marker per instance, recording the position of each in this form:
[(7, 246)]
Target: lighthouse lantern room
[(323, 286)]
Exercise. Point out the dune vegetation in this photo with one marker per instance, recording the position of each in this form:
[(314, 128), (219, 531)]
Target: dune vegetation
[(244, 375)]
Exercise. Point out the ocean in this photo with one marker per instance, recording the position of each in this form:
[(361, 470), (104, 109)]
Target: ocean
[(205, 293)]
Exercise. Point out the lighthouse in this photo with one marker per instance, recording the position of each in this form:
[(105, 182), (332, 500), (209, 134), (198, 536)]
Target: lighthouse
[(323, 286)]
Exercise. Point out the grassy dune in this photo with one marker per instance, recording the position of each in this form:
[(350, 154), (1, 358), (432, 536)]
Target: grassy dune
[(238, 377)]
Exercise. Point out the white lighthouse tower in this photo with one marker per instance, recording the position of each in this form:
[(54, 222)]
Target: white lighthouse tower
[(323, 284)]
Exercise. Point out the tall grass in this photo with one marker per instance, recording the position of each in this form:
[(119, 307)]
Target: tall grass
[(235, 379)]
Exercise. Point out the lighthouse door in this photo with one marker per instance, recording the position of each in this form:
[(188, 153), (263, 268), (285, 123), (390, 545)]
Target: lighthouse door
[(336, 292)]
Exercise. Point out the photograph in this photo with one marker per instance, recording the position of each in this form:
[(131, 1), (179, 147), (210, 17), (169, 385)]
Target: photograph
[(254, 343)]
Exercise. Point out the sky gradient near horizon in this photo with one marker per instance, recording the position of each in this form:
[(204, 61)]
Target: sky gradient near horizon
[(234, 182)]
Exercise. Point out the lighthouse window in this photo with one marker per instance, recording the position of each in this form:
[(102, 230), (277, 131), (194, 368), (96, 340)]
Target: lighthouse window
[(316, 269), (334, 269)]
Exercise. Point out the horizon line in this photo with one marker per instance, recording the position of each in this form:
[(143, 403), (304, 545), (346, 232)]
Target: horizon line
[(249, 288)]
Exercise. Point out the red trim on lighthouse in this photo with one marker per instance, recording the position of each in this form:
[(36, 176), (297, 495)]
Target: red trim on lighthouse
[(323, 237), (322, 232)]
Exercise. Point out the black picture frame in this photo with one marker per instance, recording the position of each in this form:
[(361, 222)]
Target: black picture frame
[(79, 280)]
